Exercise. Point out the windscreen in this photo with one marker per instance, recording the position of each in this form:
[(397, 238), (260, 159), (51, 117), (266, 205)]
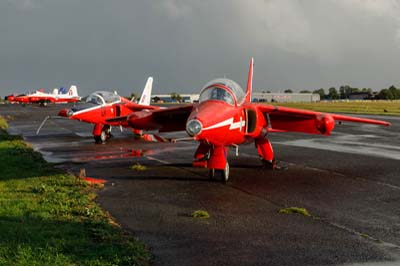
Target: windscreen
[(235, 89), (216, 93), (102, 97)]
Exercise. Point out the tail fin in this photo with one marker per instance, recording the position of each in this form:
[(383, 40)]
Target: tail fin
[(73, 91), (250, 82), (145, 99)]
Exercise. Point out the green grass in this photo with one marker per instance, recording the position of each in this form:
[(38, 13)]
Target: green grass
[(292, 210), (201, 214), (48, 217), (353, 107), (3, 124)]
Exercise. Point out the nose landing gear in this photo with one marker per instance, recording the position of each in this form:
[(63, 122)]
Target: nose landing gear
[(214, 158), (220, 174)]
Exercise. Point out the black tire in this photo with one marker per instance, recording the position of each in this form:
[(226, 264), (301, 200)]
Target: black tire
[(212, 174), (103, 136), (97, 140), (107, 130), (271, 165), (219, 174)]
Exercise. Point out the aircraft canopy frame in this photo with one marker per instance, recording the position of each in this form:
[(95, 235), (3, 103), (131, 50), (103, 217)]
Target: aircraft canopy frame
[(210, 92), (102, 97)]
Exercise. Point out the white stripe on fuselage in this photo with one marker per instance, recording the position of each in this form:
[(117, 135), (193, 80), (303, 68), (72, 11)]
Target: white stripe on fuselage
[(93, 108), (87, 110), (229, 122)]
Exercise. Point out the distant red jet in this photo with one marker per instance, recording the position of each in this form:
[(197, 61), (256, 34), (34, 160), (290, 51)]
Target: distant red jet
[(43, 98), (103, 105), (226, 117)]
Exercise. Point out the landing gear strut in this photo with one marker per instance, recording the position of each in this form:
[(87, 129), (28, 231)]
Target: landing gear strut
[(213, 157), (104, 135), (43, 103), (266, 153)]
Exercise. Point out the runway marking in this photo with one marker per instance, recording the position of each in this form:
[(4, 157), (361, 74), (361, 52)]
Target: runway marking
[(157, 160), (363, 235)]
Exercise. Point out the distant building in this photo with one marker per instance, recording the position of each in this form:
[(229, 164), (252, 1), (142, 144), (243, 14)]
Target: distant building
[(256, 97), (285, 97), (166, 98)]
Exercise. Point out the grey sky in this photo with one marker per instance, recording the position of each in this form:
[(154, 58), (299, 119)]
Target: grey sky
[(101, 44)]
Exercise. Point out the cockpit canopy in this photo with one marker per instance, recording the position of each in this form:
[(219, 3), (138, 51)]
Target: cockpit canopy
[(102, 97), (211, 91)]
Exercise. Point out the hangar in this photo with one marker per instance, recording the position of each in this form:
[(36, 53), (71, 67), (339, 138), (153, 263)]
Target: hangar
[(166, 98), (256, 97), (284, 97)]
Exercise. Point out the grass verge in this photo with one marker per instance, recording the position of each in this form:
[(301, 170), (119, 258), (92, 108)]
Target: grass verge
[(48, 217), (351, 107)]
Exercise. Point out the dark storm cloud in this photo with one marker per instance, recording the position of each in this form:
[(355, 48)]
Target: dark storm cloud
[(183, 44)]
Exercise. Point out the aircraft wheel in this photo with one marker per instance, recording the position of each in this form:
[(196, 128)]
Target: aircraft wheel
[(226, 173), (101, 139), (97, 139), (107, 131), (272, 165), (212, 174), (103, 136), (220, 174)]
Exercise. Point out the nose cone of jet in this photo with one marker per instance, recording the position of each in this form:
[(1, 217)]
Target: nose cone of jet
[(65, 112), (193, 127)]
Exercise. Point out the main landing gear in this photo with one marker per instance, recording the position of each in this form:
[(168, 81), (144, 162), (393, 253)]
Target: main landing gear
[(266, 153), (101, 133), (43, 103)]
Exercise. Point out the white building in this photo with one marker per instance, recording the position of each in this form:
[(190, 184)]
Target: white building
[(284, 97), (166, 98), (256, 97)]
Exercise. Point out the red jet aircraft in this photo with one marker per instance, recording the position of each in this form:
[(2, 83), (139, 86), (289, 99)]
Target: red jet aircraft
[(103, 105), (44, 98), (225, 116)]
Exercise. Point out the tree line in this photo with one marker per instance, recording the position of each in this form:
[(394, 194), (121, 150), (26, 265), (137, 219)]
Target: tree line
[(344, 92)]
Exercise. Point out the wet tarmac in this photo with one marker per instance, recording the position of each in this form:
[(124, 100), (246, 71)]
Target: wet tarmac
[(349, 182)]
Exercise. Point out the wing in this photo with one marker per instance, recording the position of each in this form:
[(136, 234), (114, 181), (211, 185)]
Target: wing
[(297, 120), (163, 120), (138, 107)]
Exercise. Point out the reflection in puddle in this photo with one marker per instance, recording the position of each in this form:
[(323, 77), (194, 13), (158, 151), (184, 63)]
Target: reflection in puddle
[(127, 153)]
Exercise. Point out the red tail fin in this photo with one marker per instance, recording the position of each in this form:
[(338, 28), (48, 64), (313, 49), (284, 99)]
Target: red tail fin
[(250, 82)]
